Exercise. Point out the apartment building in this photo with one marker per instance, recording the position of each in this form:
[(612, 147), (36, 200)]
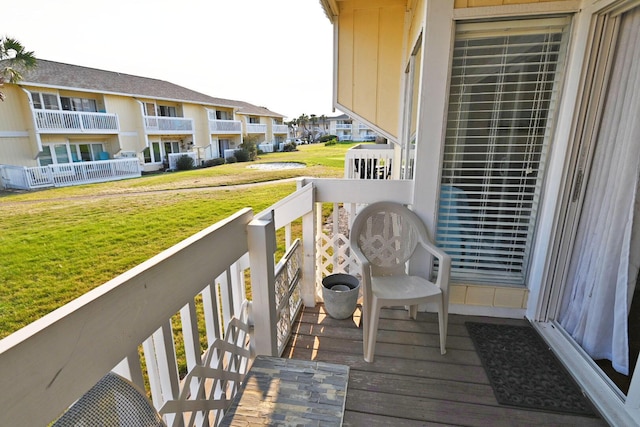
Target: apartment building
[(349, 129), (62, 113)]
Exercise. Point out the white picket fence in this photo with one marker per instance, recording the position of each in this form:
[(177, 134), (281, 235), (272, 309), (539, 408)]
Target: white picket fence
[(66, 174)]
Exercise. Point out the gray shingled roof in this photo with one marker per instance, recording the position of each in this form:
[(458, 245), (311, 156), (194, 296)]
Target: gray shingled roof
[(59, 75)]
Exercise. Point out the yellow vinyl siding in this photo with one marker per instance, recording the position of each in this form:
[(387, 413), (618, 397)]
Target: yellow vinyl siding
[(200, 122), (459, 4), (488, 296), (131, 136), (15, 114), (18, 145), (370, 60), (17, 152)]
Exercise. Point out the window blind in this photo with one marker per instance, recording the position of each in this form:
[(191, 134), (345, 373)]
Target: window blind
[(503, 93)]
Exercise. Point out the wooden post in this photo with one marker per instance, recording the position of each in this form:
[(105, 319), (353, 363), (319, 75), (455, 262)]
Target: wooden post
[(262, 246)]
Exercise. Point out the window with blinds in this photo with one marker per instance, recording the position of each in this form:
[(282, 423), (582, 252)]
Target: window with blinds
[(505, 82)]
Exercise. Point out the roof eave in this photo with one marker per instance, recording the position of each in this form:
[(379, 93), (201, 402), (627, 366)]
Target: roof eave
[(330, 9)]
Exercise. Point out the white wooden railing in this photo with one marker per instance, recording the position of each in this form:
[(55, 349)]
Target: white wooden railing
[(369, 161), (256, 128), (168, 124), (266, 147), (173, 158), (280, 129), (67, 174), (225, 126), (343, 126), (50, 363), (347, 197), (75, 122)]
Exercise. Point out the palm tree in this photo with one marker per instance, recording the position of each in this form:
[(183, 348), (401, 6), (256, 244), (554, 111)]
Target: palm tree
[(302, 121), (313, 131), (15, 60), (323, 120), (293, 125)]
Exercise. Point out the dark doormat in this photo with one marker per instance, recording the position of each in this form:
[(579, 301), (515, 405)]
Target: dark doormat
[(524, 372)]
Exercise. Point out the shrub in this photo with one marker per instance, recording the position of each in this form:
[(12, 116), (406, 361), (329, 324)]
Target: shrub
[(250, 144), (184, 163), (333, 141), (242, 155), (290, 146), (213, 162), (327, 138), (231, 159)]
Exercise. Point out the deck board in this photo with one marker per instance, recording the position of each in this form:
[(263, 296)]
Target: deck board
[(410, 383)]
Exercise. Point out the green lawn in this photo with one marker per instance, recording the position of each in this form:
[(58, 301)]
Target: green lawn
[(57, 244)]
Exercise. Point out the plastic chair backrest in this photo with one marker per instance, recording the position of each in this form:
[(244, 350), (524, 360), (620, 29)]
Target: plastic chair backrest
[(387, 235), (113, 401)]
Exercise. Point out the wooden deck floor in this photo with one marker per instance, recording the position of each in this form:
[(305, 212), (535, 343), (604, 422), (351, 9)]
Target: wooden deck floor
[(410, 383)]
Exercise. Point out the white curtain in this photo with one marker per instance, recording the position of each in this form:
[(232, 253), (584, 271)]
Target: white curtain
[(605, 259)]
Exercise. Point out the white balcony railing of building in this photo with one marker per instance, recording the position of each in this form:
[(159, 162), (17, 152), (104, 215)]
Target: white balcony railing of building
[(280, 129), (51, 121), (266, 147), (225, 126), (256, 128), (173, 158), (49, 364), (369, 161), (67, 174), (343, 126), (168, 124)]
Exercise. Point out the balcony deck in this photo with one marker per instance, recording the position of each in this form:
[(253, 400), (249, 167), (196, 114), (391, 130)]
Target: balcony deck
[(410, 383)]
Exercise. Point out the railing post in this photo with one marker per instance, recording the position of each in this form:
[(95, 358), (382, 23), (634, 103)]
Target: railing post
[(262, 245)]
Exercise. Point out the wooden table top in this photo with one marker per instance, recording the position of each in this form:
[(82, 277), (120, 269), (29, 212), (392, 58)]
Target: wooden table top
[(290, 392)]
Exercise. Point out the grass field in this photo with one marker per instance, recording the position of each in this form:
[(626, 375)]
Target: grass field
[(57, 244)]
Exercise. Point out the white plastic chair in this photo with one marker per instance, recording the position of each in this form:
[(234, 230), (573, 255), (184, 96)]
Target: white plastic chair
[(391, 241), (114, 402)]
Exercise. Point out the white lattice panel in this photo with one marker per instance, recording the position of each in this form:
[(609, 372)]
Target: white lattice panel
[(333, 252)]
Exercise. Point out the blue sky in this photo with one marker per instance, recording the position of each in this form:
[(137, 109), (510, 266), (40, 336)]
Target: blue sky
[(273, 53)]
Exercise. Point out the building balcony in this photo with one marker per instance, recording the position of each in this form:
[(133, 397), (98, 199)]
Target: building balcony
[(225, 127), (256, 128), (343, 126), (369, 161), (200, 284), (168, 125), (280, 129), (57, 121)]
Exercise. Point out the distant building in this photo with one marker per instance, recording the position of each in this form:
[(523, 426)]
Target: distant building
[(348, 129), (62, 113)]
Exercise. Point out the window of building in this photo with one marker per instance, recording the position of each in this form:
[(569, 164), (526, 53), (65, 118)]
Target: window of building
[(79, 104), (45, 101), (86, 152), (167, 111), (65, 153), (152, 154), (224, 115), (503, 95), (149, 109), (254, 120)]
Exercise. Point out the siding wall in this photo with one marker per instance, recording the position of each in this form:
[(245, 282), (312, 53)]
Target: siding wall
[(370, 60), (480, 3), (17, 138), (131, 137)]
